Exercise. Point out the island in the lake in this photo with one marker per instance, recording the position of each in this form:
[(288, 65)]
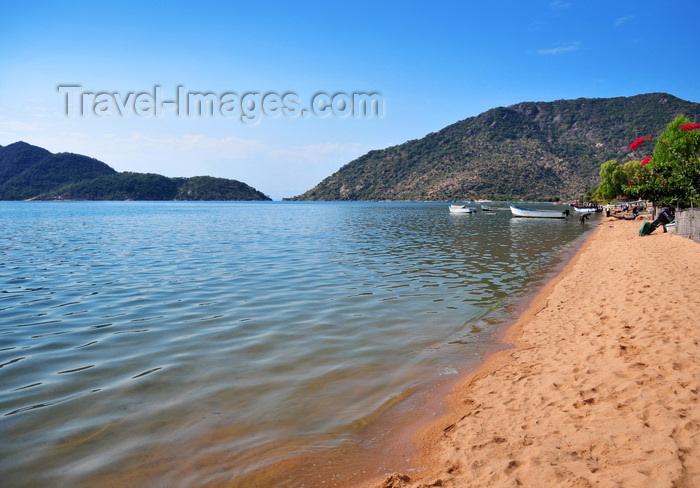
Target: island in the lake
[(30, 172)]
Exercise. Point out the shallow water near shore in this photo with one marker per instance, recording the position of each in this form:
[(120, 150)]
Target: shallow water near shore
[(181, 344)]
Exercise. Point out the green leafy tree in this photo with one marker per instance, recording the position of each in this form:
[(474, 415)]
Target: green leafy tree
[(671, 176), (611, 179), (616, 179)]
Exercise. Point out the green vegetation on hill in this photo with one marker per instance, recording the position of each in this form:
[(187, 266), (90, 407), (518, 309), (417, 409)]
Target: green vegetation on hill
[(30, 172), (149, 186), (117, 186), (27, 171), (210, 188), (531, 150)]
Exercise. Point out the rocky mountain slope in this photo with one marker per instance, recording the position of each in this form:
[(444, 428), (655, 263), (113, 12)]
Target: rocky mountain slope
[(531, 151)]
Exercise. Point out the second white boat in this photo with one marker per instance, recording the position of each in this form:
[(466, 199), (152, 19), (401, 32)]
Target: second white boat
[(547, 214), (461, 209)]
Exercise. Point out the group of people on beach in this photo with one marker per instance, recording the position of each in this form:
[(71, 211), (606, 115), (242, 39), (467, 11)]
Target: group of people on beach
[(622, 211), (630, 211)]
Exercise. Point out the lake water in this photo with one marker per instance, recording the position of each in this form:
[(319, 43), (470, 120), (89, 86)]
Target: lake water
[(188, 344)]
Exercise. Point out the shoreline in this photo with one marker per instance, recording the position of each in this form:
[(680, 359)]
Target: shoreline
[(384, 441), (600, 387)]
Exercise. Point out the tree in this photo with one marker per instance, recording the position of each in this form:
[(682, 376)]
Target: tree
[(671, 176), (616, 179), (610, 180)]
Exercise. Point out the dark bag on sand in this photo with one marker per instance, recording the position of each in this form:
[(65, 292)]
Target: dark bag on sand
[(646, 229)]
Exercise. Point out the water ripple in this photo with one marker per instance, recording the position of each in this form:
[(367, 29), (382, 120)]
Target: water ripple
[(134, 336)]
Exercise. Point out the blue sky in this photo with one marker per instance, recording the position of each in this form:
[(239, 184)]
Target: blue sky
[(433, 63)]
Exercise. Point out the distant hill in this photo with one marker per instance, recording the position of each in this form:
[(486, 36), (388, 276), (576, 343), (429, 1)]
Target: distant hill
[(27, 171), (32, 173), (531, 151)]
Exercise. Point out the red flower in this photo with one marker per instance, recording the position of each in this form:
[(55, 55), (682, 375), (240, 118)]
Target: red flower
[(645, 161), (639, 142), (689, 126), (629, 183)]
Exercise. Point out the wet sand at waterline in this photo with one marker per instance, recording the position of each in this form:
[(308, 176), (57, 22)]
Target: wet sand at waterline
[(600, 388)]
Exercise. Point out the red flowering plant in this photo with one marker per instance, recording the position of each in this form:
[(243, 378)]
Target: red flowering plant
[(671, 176), (639, 142), (637, 177)]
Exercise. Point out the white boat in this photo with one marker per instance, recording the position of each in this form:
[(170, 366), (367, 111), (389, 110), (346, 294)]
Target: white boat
[(461, 209), (586, 210), (528, 212)]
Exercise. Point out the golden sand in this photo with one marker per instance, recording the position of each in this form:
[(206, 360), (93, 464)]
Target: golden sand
[(601, 388)]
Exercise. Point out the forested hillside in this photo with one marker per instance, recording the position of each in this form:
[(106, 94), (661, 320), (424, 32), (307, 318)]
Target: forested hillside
[(32, 173)]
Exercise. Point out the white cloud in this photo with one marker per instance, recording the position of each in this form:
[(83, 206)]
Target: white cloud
[(11, 126), (200, 144), (201, 147), (560, 49), (321, 152), (622, 20), (560, 4)]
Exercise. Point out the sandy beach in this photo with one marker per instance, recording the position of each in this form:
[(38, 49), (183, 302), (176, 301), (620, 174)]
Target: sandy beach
[(601, 386)]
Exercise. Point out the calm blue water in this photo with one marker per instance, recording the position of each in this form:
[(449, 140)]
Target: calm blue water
[(179, 344)]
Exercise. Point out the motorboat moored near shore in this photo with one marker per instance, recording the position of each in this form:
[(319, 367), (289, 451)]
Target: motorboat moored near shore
[(462, 209), (547, 214)]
